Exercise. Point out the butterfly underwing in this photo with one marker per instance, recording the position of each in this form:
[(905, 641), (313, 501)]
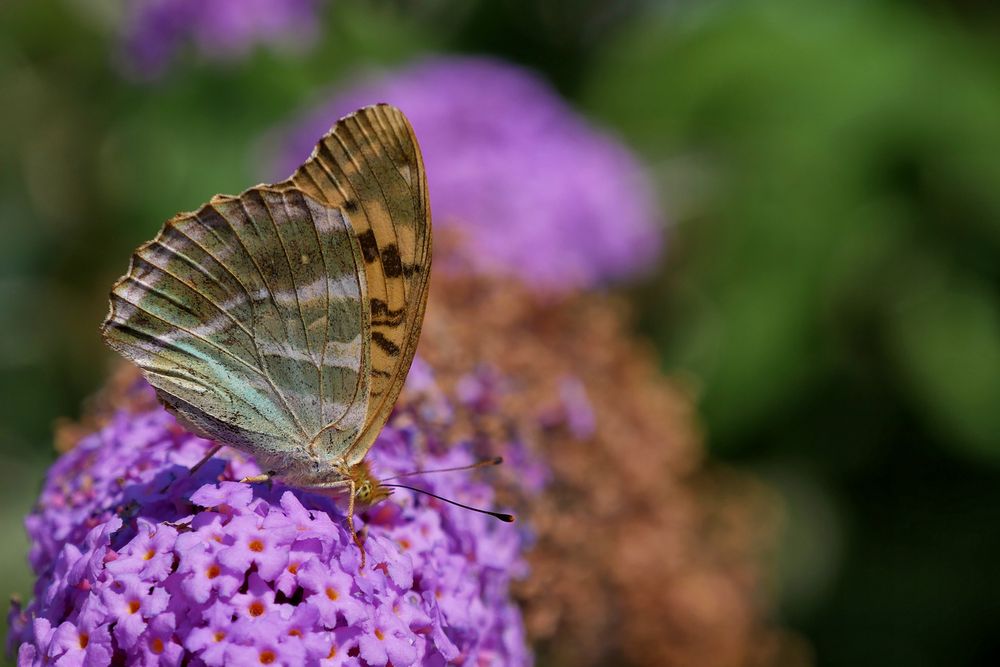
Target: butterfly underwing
[(283, 321)]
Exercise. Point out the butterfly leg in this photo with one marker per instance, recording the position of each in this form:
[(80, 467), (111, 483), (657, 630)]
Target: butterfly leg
[(350, 524), (352, 492), (205, 459)]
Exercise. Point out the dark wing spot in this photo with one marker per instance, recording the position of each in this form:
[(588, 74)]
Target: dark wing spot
[(387, 345), (369, 246), (381, 308), (350, 206), (392, 265), (382, 315)]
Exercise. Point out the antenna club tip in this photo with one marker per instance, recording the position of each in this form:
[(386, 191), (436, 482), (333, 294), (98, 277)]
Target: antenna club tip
[(497, 460), (506, 518)]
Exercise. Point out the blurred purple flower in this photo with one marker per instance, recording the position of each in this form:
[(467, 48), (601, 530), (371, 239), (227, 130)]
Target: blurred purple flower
[(219, 29), (534, 189), (140, 562)]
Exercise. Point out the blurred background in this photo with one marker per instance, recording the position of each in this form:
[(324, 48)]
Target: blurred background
[(829, 292)]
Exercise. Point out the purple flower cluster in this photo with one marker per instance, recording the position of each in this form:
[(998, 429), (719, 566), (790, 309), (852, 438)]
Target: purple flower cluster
[(220, 29), (141, 562), (533, 189)]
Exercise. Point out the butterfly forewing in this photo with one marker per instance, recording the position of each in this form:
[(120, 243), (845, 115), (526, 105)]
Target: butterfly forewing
[(284, 321), (370, 167)]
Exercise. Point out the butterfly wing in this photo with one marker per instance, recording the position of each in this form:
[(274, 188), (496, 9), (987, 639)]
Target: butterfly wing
[(369, 167), (248, 317), (285, 320)]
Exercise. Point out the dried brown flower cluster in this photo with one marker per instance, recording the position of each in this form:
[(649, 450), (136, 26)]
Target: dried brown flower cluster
[(643, 557)]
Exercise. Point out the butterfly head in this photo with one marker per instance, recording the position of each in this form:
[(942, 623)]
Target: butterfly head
[(367, 489)]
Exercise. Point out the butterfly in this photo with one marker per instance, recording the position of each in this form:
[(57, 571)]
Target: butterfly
[(283, 321)]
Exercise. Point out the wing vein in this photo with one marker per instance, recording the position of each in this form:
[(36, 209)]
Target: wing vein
[(189, 332), (326, 329), (291, 271), (198, 291), (216, 259), (163, 295)]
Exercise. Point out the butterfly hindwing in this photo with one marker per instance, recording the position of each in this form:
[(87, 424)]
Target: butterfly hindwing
[(248, 317)]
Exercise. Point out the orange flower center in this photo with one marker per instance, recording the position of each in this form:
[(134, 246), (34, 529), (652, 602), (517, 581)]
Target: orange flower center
[(213, 571), (256, 546), (293, 568), (267, 657), (294, 632), (378, 633), (333, 652), (256, 608), (156, 645), (149, 554), (133, 606), (332, 593), (219, 635), (84, 639)]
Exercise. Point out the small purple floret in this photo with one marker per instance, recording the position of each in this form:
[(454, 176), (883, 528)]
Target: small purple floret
[(154, 30)]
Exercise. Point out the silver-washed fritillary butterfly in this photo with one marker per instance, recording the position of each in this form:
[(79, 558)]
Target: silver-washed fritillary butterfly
[(283, 321)]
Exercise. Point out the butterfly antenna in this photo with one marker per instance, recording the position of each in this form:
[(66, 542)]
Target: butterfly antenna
[(485, 463), (507, 518)]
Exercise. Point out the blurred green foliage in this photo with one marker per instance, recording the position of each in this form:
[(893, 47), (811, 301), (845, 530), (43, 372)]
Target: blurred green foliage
[(832, 291), (831, 170), (849, 210)]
